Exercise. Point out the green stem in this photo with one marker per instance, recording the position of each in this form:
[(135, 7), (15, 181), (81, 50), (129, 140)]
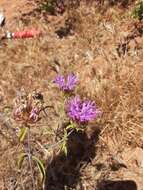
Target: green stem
[(57, 143), (29, 158)]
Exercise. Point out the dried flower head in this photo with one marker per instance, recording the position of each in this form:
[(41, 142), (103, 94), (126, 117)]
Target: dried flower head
[(27, 108), (34, 115), (81, 111), (66, 83)]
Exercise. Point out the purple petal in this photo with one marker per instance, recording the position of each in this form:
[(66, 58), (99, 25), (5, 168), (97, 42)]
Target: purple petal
[(60, 81), (34, 115), (81, 111), (66, 84)]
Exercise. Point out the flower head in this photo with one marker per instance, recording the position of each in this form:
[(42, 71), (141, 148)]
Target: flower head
[(17, 113), (81, 111), (27, 108), (66, 83), (34, 115)]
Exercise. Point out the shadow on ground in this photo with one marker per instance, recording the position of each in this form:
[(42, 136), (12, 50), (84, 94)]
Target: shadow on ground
[(117, 185), (64, 172)]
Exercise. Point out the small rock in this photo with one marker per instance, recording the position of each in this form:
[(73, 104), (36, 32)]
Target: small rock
[(134, 156), (89, 55), (2, 19)]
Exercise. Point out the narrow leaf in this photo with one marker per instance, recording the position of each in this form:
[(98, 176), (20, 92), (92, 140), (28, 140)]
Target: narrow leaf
[(22, 133), (70, 126), (21, 159), (65, 150), (40, 167)]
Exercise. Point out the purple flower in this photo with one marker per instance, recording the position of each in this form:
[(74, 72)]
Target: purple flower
[(66, 83), (17, 113), (34, 115), (81, 111)]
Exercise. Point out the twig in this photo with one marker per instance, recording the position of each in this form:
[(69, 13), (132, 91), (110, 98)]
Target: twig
[(57, 143), (44, 108)]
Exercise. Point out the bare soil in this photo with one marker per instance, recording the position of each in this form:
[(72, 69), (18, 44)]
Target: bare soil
[(104, 49)]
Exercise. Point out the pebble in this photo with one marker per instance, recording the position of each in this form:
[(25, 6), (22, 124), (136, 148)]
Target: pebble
[(2, 19)]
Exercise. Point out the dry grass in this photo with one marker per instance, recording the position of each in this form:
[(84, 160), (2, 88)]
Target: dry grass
[(114, 82)]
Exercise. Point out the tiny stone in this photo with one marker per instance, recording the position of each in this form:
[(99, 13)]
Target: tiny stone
[(2, 19)]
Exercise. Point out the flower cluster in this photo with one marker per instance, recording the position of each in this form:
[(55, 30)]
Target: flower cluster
[(66, 83), (81, 111), (77, 109), (26, 109)]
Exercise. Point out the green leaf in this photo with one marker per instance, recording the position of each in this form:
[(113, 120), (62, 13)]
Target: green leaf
[(21, 159), (79, 129), (22, 133), (64, 149), (70, 126), (40, 167), (64, 143), (138, 11), (65, 134)]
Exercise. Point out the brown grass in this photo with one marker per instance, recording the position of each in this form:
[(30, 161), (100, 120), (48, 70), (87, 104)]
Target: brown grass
[(114, 82)]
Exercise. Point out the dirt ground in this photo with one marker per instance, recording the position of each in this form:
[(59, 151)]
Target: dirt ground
[(103, 47), (14, 9)]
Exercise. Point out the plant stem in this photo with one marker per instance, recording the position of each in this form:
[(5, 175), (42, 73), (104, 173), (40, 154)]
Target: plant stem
[(57, 143), (29, 158)]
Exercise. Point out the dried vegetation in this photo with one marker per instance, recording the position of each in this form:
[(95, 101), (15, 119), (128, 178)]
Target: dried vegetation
[(103, 46)]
